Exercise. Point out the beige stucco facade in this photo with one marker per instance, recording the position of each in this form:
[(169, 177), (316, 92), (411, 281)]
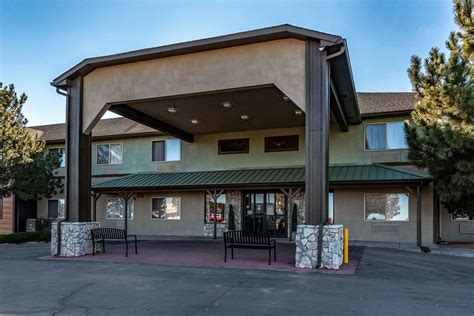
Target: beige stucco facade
[(279, 62)]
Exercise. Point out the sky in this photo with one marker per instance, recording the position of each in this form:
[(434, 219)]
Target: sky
[(39, 40)]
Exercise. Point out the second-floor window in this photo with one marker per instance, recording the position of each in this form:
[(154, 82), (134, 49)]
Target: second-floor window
[(109, 154), (166, 150), (380, 136), (61, 152)]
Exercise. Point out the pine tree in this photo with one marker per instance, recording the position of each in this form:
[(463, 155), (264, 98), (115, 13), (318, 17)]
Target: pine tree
[(441, 133), (25, 170)]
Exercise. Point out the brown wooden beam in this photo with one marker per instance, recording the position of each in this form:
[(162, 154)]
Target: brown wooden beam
[(78, 157), (147, 120), (336, 109)]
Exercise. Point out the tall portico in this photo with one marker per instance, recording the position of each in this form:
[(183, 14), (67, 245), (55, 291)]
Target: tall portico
[(290, 67)]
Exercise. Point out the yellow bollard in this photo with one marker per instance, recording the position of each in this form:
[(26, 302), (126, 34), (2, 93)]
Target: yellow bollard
[(346, 245)]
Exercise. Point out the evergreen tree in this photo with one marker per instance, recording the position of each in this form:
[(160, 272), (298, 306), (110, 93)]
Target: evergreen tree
[(25, 170), (441, 133)]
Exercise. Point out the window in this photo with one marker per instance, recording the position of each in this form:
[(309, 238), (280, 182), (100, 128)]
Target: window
[(382, 136), (1, 207), (462, 217), (166, 150), (210, 209), (116, 209), (61, 152), (56, 208), (166, 208), (331, 208), (386, 207), (109, 154), (233, 146), (281, 143)]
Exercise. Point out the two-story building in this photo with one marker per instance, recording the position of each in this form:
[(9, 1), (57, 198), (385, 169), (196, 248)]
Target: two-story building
[(371, 178), (265, 122)]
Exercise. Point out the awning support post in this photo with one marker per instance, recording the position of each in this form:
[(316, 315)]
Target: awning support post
[(95, 197), (126, 196)]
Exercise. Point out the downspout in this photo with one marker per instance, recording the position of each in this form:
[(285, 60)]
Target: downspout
[(341, 51), (58, 240)]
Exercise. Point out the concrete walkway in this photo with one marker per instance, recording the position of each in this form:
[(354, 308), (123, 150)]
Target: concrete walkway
[(435, 249), (387, 282)]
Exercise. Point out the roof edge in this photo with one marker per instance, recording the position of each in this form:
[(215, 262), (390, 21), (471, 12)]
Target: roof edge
[(236, 39)]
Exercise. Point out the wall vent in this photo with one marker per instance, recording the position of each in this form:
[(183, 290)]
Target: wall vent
[(386, 229), (465, 228), (386, 157)]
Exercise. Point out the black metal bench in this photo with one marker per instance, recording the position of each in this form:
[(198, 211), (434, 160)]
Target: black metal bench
[(249, 240), (99, 235)]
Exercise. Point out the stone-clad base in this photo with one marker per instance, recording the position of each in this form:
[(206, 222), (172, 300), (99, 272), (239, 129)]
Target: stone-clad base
[(307, 246), (75, 238)]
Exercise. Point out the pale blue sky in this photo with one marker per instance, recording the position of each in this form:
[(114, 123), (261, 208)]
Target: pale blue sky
[(41, 39)]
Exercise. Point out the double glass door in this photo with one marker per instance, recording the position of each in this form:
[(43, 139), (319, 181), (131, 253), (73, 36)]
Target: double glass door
[(265, 212)]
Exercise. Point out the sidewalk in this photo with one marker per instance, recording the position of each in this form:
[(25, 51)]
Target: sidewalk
[(435, 249)]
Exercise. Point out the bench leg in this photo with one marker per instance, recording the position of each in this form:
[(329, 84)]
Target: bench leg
[(225, 254), (93, 247), (269, 256), (103, 245), (274, 252), (232, 251), (126, 248), (136, 251)]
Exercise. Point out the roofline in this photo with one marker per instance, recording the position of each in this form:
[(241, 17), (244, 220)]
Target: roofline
[(386, 114), (240, 186), (242, 38)]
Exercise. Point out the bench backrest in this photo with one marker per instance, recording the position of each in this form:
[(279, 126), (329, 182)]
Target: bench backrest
[(108, 233), (240, 237)]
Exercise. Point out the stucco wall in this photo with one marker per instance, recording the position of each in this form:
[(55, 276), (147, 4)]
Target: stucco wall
[(349, 211), (349, 147), (281, 62), (455, 230)]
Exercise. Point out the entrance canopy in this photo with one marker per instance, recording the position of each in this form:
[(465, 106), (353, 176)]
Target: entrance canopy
[(263, 178)]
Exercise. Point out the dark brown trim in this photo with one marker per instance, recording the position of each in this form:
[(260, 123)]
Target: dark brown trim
[(112, 175), (111, 137), (237, 39), (386, 114), (145, 119), (336, 108), (269, 139)]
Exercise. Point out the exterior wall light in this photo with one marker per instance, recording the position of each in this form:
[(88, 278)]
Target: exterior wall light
[(172, 109), (286, 98), (298, 112), (227, 105), (244, 117), (195, 121)]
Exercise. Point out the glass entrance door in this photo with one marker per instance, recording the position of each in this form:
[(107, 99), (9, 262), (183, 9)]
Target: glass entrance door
[(265, 212)]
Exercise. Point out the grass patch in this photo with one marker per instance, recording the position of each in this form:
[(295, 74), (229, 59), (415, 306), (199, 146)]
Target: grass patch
[(20, 238)]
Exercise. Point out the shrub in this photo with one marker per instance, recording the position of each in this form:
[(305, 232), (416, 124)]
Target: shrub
[(20, 238)]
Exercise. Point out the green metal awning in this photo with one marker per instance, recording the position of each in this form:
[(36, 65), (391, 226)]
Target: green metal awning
[(276, 177)]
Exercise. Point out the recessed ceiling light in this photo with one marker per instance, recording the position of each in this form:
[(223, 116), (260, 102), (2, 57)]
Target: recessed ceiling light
[(244, 117), (286, 98), (172, 109), (227, 104), (195, 121), (298, 112)]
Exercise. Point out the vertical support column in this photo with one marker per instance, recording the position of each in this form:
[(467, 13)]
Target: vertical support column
[(78, 157), (317, 134)]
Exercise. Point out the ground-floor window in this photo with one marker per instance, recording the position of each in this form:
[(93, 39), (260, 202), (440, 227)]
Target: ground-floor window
[(166, 208), (462, 217), (210, 211), (56, 208), (386, 207), (116, 208)]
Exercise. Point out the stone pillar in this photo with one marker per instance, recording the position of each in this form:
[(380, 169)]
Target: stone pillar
[(307, 246), (75, 238)]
